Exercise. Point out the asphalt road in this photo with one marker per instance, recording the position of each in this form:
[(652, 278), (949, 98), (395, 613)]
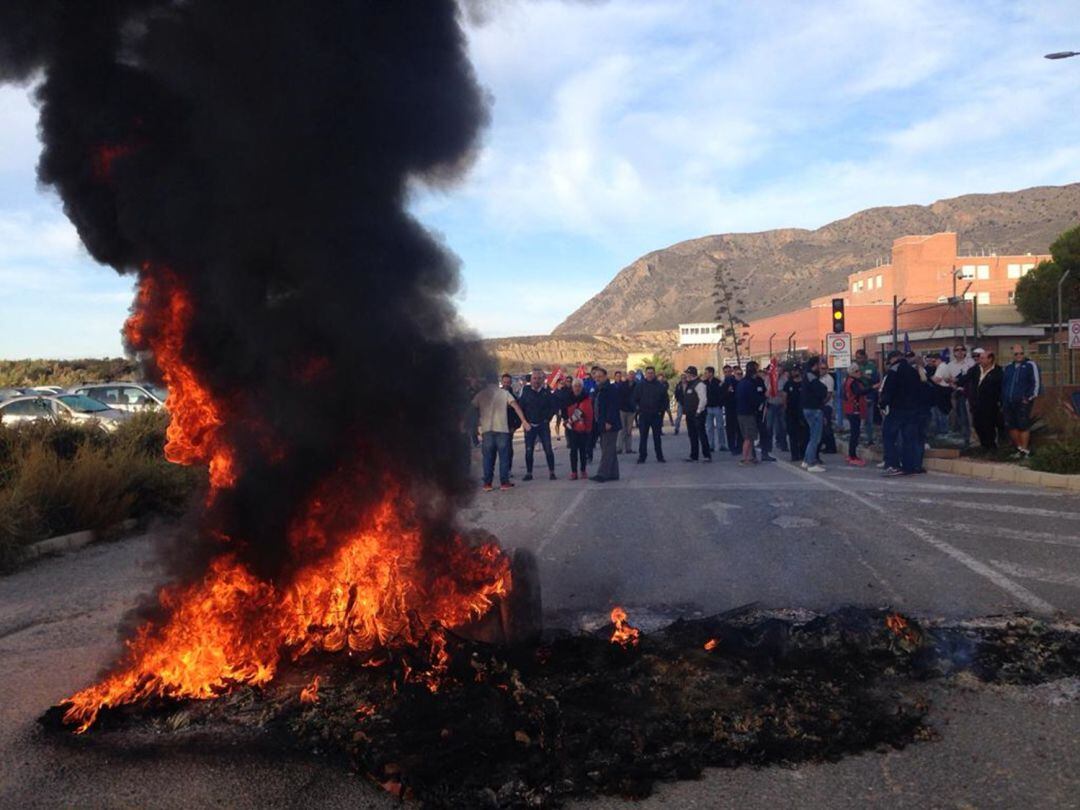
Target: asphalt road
[(665, 540)]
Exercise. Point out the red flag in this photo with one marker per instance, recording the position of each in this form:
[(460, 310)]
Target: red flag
[(555, 376), (581, 373), (774, 377)]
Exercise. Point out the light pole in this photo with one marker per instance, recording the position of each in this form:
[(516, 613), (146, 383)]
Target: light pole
[(1062, 54), (1054, 343)]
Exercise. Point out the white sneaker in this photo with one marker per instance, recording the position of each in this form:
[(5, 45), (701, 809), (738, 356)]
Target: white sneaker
[(815, 468), (881, 465), (804, 465)]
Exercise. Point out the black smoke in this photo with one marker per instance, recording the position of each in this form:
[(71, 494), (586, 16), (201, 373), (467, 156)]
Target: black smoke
[(264, 153)]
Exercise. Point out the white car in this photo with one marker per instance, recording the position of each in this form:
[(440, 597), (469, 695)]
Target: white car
[(124, 396), (63, 408)]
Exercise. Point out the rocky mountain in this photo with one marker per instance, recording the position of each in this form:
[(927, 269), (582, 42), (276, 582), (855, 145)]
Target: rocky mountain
[(520, 354), (783, 269)]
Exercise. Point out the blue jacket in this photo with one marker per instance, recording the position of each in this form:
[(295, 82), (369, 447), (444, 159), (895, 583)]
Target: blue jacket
[(748, 398), (1021, 382), (607, 408)]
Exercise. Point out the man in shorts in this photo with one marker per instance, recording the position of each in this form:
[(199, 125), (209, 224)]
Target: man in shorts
[(749, 399), (1019, 389)]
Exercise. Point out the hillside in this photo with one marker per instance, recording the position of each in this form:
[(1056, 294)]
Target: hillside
[(520, 354), (785, 268)]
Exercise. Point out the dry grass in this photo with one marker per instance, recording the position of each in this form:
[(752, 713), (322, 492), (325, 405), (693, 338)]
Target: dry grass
[(56, 479)]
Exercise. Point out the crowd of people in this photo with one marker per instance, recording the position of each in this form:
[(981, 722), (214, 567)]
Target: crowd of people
[(792, 407)]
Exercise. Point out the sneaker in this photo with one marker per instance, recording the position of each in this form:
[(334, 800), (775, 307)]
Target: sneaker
[(708, 459), (880, 465), (573, 476), (804, 465), (506, 486), (552, 476), (528, 477), (767, 457), (488, 487), (856, 462), (892, 471), (815, 468)]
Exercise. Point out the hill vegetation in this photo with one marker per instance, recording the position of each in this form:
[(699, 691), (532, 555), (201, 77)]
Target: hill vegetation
[(66, 373)]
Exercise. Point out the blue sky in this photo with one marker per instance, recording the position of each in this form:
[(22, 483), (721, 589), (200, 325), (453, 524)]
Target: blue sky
[(626, 126)]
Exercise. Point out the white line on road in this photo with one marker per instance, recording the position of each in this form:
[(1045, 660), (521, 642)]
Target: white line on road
[(1018, 591), (978, 505), (556, 527), (1040, 574), (984, 530)]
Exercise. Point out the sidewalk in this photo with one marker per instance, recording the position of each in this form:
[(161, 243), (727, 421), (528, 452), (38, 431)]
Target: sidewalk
[(995, 471)]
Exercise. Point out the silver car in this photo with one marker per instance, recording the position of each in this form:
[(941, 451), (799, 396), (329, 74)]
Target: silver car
[(124, 396), (63, 408)]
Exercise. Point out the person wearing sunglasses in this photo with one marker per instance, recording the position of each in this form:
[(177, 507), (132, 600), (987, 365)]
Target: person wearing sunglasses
[(1019, 389)]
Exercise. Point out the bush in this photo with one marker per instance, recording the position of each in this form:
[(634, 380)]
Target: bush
[(56, 479), (1059, 457)]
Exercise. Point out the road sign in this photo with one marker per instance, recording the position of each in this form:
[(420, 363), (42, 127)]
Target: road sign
[(1074, 333), (838, 349)]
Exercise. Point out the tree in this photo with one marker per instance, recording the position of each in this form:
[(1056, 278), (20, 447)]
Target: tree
[(661, 362), (727, 295), (1036, 293)]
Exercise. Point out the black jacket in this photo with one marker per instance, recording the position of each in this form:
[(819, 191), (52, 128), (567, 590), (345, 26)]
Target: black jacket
[(813, 394), (626, 391), (986, 398), (606, 408), (714, 393), (902, 389), (680, 392), (727, 391), (650, 398), (539, 406), (512, 419)]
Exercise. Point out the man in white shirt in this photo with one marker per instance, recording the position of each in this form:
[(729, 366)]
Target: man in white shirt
[(492, 401), (951, 375)]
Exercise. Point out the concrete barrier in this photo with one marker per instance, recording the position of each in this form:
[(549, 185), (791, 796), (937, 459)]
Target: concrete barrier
[(1010, 473), (64, 543)]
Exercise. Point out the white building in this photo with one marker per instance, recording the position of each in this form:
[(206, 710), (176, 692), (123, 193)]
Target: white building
[(700, 334)]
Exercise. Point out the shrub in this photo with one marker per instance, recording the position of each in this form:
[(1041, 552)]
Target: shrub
[(56, 479), (1058, 457)]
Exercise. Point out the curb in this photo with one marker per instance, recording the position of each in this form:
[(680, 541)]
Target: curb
[(992, 471), (64, 543)]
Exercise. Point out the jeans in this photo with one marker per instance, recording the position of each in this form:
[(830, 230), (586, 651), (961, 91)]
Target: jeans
[(871, 410), (678, 417), (542, 432), (714, 422), (815, 419), (903, 440), (775, 425), (963, 417), (578, 443), (695, 429), (496, 442), (853, 440), (647, 422), (938, 422), (626, 435)]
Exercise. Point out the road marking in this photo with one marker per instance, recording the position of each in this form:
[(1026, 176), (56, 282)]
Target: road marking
[(1006, 534), (556, 527), (982, 507), (793, 522), (1040, 574), (721, 510), (1015, 589)]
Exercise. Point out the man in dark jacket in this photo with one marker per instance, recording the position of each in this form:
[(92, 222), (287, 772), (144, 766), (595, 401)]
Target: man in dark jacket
[(749, 401), (694, 403), (727, 402), (539, 406), (1020, 384), (812, 397), (606, 423), (901, 401), (650, 404), (983, 393)]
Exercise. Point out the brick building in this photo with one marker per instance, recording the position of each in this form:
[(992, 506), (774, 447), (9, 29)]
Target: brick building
[(924, 272)]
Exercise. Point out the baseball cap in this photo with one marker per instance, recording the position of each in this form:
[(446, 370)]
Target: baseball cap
[(692, 370), (978, 351), (895, 353)]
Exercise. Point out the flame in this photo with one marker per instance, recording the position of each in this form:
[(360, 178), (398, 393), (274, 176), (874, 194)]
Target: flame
[(160, 322), (712, 644), (624, 634), (901, 629), (366, 589), (103, 157), (310, 693)]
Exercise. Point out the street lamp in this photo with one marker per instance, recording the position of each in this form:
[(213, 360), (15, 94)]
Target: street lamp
[(1062, 54)]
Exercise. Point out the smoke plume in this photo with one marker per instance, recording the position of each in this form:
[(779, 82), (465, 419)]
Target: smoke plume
[(256, 157)]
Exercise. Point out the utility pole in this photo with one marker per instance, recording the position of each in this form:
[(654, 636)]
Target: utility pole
[(1054, 348), (895, 320)]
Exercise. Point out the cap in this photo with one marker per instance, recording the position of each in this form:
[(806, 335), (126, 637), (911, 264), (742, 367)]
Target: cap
[(691, 370), (894, 353), (978, 351)]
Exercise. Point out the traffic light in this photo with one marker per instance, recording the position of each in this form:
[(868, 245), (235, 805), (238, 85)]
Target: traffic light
[(838, 315)]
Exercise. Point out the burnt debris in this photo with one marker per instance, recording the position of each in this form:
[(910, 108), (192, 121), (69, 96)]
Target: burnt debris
[(575, 715)]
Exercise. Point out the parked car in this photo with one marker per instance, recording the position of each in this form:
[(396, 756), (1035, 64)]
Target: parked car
[(63, 408), (124, 396), (47, 390)]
